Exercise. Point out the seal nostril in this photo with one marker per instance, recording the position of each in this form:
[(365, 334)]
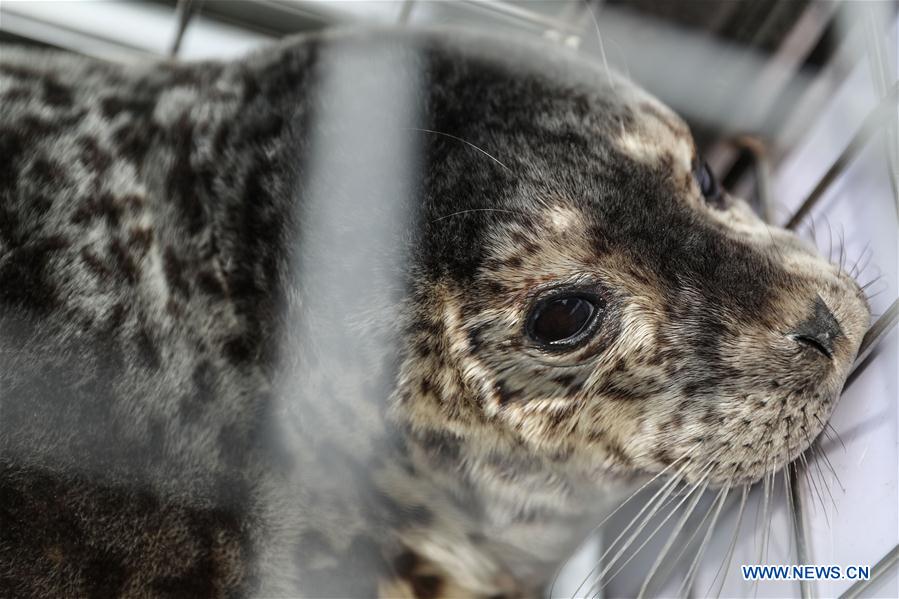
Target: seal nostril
[(814, 344), (820, 331)]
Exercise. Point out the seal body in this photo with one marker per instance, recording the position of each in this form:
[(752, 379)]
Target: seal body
[(262, 335)]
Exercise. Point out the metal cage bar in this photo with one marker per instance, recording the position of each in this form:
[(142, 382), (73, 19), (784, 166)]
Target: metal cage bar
[(882, 115)]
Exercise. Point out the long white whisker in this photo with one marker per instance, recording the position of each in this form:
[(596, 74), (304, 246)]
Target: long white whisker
[(696, 530), (813, 232), (687, 544), (809, 476), (664, 491), (823, 456), (733, 543), (812, 485), (864, 253), (824, 481), (862, 268), (830, 427), (821, 452), (612, 513), (468, 143), (829, 239), (842, 247), (813, 449), (694, 565), (634, 537), (869, 283), (602, 48), (671, 538), (473, 210), (661, 497)]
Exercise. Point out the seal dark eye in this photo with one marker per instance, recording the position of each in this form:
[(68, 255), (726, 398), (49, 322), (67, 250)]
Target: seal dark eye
[(708, 185), (563, 320)]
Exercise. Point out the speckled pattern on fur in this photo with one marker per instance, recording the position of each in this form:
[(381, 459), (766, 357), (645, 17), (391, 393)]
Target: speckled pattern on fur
[(185, 411)]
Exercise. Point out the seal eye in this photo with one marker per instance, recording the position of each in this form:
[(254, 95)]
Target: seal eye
[(708, 185), (562, 320)]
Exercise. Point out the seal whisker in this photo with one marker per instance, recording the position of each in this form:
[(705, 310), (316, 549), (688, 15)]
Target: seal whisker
[(706, 541), (774, 241), (815, 473), (829, 238), (470, 210), (696, 530), (602, 49), (863, 255), (466, 142), (873, 281), (725, 564), (659, 497), (810, 478), (827, 485), (819, 457), (833, 431), (678, 527), (826, 431), (814, 450), (812, 484), (615, 511), (842, 247), (813, 231), (603, 579), (867, 263), (822, 454)]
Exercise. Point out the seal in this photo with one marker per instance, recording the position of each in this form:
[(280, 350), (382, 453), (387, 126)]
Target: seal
[(375, 313)]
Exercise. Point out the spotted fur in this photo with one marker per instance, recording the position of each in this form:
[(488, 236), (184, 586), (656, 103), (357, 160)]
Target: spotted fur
[(190, 409)]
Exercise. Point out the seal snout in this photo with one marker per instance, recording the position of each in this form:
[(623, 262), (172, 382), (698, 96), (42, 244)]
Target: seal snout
[(820, 331)]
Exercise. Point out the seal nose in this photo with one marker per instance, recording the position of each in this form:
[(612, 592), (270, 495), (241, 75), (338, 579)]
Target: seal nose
[(820, 331)]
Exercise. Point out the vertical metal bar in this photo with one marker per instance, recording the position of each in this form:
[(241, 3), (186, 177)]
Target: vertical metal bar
[(883, 74), (872, 124), (803, 555), (184, 12)]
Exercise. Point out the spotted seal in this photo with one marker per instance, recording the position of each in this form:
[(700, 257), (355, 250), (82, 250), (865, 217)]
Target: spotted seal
[(374, 313)]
